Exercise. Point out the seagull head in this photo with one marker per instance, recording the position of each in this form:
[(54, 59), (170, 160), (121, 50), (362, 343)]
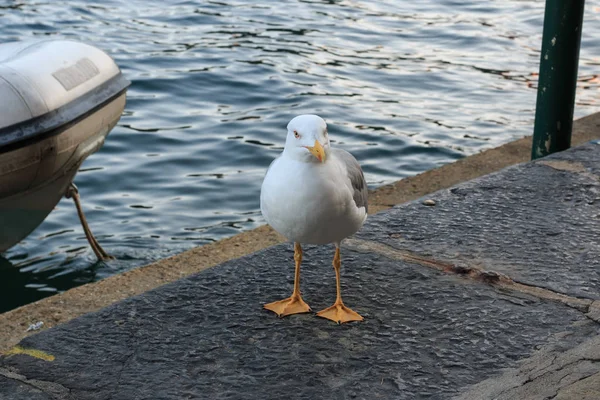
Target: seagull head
[(307, 139)]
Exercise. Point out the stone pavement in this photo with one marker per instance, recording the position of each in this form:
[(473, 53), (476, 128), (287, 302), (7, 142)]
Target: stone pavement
[(491, 293)]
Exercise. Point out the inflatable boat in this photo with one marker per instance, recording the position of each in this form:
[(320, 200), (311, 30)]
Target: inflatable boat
[(58, 101)]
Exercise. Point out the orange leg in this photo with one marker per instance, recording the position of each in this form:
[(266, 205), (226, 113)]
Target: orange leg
[(293, 304), (338, 312)]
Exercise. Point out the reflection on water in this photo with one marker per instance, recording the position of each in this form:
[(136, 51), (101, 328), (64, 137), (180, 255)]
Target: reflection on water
[(22, 283), (405, 86)]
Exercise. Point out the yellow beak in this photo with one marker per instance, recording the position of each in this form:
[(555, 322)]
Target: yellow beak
[(318, 151)]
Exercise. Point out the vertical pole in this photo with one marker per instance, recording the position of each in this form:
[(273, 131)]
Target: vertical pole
[(558, 77)]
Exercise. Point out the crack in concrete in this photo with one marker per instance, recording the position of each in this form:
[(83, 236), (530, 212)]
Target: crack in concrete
[(564, 390), (560, 368), (556, 369), (559, 385), (590, 308), (53, 389), (584, 376), (119, 378), (564, 165), (542, 370), (575, 167)]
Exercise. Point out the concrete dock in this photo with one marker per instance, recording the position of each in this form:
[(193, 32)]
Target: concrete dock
[(491, 290)]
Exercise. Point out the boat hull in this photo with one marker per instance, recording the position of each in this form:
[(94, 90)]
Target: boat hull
[(34, 178)]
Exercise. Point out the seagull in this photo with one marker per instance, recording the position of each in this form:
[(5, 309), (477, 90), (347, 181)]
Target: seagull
[(314, 194)]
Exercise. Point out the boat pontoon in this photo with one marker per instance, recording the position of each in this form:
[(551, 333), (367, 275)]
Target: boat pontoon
[(58, 101)]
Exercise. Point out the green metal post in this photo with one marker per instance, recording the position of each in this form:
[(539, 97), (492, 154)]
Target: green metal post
[(558, 77)]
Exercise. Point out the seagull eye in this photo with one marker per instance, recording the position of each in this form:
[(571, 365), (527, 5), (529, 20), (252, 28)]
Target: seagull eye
[(296, 135)]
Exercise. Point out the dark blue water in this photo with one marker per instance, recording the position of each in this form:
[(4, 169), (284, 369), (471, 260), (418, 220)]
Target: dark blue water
[(404, 86)]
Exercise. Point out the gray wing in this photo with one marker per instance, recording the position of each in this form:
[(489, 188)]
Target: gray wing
[(356, 176)]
